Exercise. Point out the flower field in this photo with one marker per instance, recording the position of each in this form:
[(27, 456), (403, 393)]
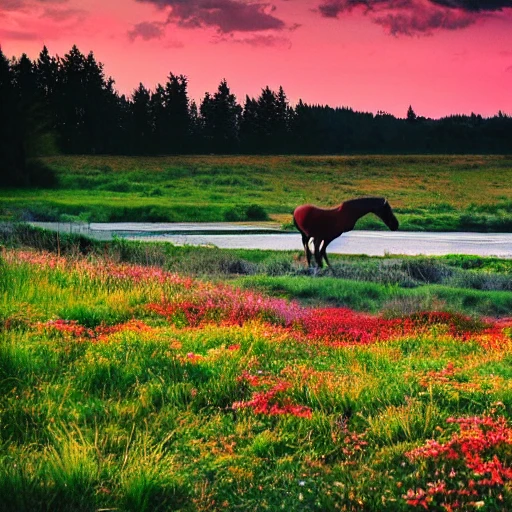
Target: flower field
[(126, 387)]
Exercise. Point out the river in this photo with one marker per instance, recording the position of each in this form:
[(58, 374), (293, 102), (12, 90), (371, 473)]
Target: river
[(265, 236)]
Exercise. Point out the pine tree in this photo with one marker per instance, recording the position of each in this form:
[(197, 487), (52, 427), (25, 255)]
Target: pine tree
[(12, 162), (411, 115), (142, 130), (88, 106), (176, 114), (157, 114), (195, 128), (249, 136), (221, 120), (47, 70), (283, 121)]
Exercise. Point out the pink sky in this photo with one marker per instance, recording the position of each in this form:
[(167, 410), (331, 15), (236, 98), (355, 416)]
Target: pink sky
[(440, 56)]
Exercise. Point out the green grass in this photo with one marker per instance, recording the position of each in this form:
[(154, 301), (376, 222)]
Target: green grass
[(428, 193), (374, 297), (459, 283), (133, 422)]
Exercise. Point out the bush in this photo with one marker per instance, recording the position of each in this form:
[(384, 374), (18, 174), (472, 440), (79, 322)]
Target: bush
[(256, 212), (40, 175), (252, 212), (427, 270)]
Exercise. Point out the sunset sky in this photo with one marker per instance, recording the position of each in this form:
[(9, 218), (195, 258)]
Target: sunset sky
[(441, 56)]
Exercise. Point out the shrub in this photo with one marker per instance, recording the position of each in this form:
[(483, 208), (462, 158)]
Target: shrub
[(427, 270), (239, 213)]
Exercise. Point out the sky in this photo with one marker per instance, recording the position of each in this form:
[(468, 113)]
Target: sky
[(442, 57)]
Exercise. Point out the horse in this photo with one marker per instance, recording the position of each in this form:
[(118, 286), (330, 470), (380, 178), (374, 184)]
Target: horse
[(324, 225)]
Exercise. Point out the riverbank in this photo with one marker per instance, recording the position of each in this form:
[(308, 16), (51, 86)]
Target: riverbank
[(268, 236)]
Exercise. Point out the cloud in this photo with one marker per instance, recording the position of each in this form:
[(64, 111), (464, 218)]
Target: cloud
[(224, 15), (257, 41), (39, 19), (147, 30), (424, 21), (17, 5), (17, 35), (63, 14), (475, 5), (416, 17)]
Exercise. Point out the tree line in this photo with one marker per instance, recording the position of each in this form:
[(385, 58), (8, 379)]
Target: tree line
[(67, 104)]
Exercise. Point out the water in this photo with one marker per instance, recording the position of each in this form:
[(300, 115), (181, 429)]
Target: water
[(265, 236)]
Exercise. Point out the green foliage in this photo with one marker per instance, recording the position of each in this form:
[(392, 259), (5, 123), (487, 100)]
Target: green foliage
[(434, 193)]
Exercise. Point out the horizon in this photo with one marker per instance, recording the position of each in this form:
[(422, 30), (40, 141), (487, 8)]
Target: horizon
[(439, 56)]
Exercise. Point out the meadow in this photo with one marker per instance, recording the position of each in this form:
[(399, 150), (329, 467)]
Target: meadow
[(430, 193), (148, 377)]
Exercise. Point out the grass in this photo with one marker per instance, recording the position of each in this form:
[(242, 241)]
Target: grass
[(127, 386), (430, 193), (467, 284)]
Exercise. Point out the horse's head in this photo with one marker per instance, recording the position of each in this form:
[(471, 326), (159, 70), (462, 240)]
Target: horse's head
[(385, 212)]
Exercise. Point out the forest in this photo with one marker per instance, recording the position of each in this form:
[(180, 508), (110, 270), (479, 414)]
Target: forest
[(67, 105)]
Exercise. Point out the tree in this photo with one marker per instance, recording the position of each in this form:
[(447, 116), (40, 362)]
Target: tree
[(411, 115), (142, 129), (221, 120), (272, 120), (12, 158), (88, 108), (248, 126), (176, 114), (194, 127), (284, 120)]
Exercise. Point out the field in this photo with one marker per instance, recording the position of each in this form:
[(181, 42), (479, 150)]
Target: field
[(436, 193), (130, 382)]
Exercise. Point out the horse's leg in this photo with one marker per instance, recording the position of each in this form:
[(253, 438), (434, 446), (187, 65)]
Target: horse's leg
[(318, 251), (305, 243), (323, 253)]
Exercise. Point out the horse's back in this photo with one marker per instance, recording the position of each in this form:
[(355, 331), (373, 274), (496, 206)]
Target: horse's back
[(314, 221)]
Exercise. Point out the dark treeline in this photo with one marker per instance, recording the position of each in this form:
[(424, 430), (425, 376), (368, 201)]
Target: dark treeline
[(67, 104)]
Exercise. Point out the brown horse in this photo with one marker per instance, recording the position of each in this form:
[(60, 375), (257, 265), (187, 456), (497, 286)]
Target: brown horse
[(323, 226)]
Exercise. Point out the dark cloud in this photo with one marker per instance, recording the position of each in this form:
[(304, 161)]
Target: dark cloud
[(475, 5), (146, 30), (224, 15), (424, 21), (411, 17)]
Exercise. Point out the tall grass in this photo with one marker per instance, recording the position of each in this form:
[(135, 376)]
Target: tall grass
[(469, 284), (113, 397)]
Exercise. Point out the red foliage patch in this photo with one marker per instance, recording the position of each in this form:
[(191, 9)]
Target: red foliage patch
[(271, 401), (72, 329), (479, 454), (341, 326)]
